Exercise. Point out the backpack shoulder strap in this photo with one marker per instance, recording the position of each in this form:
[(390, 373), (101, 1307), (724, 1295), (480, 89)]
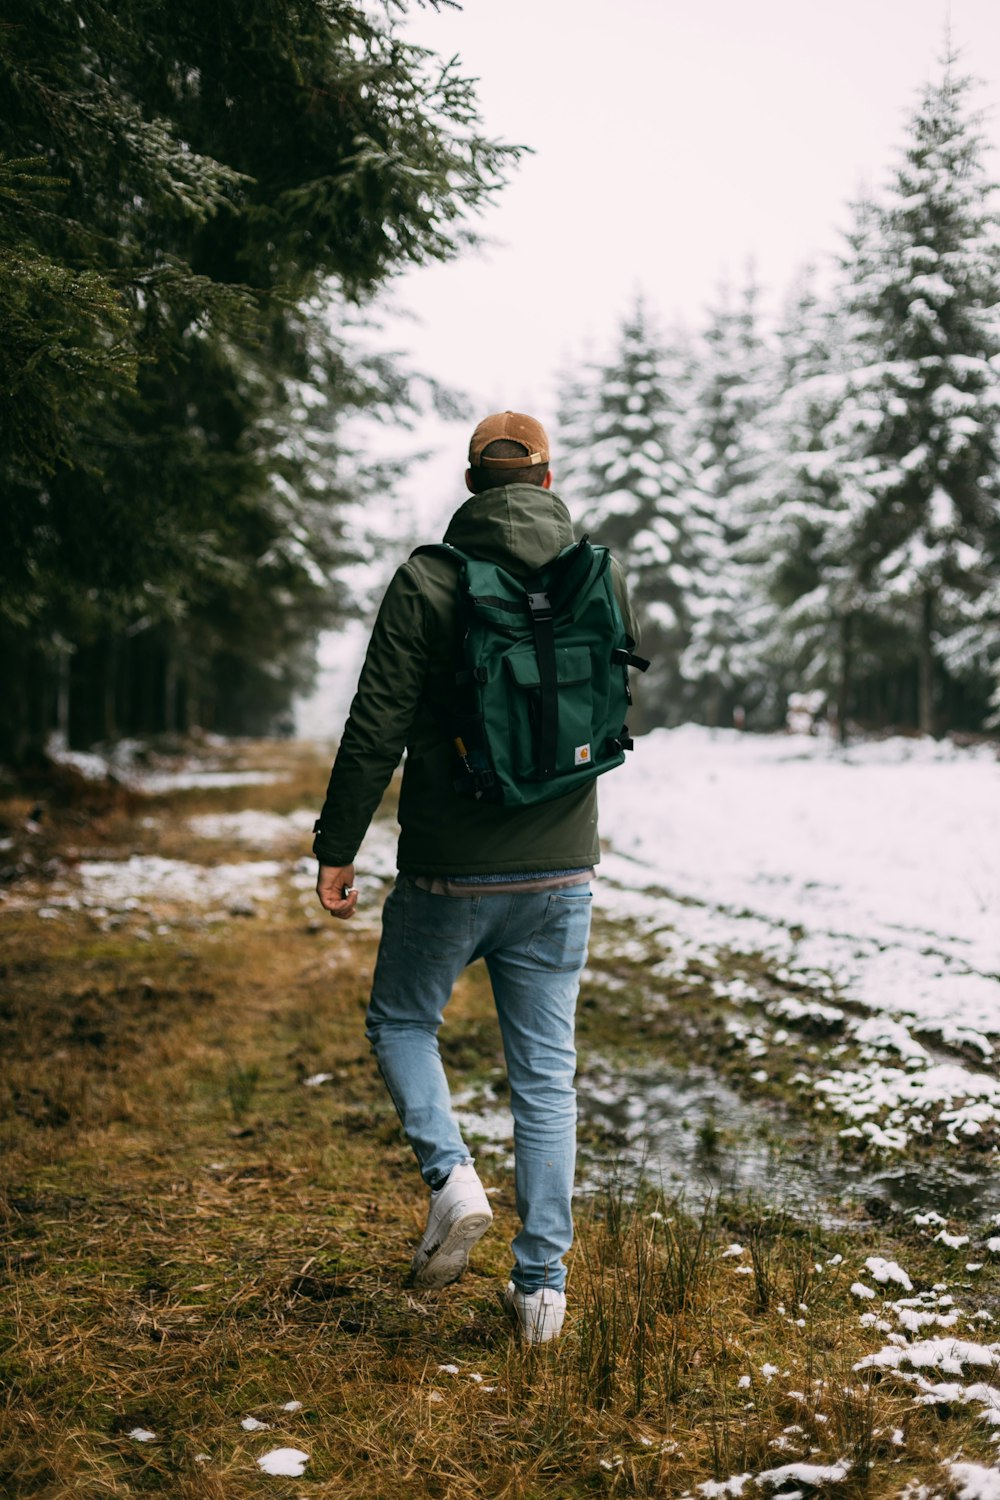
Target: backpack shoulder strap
[(479, 583), (440, 549)]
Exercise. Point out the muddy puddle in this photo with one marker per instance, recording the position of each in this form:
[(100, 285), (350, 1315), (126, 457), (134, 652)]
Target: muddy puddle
[(694, 1136)]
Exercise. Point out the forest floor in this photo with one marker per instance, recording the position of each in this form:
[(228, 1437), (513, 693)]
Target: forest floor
[(209, 1211)]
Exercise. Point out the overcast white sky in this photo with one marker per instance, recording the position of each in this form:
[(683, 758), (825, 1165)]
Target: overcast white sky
[(674, 141)]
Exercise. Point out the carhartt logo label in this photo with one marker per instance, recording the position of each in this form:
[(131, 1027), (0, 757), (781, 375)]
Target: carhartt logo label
[(581, 755)]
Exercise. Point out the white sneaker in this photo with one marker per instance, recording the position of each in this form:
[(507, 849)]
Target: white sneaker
[(539, 1314), (460, 1214)]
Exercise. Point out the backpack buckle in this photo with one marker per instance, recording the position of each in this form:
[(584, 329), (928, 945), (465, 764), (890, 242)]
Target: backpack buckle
[(539, 604)]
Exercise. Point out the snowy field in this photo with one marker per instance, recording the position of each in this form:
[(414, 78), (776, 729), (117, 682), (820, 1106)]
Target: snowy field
[(891, 846), (869, 875)]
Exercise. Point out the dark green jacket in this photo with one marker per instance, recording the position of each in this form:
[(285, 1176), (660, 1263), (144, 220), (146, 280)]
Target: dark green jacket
[(408, 677)]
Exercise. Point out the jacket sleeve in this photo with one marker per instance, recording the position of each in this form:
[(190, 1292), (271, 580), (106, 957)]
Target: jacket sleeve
[(381, 717)]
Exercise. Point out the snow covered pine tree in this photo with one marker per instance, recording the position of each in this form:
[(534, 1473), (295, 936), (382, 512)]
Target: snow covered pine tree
[(623, 428), (916, 432)]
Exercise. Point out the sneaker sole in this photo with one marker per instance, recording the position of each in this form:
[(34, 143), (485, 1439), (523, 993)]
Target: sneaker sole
[(448, 1260)]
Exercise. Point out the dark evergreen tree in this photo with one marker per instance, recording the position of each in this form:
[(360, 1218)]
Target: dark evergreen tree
[(189, 197)]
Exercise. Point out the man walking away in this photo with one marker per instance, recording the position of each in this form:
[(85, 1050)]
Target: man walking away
[(477, 879)]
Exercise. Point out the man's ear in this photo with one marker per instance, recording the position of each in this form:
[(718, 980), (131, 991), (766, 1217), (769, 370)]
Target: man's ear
[(468, 480), (547, 481)]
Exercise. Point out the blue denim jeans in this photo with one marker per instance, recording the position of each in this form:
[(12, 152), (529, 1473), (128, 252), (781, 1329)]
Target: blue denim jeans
[(534, 944)]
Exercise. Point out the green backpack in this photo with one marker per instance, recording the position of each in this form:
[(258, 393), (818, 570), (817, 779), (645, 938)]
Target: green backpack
[(544, 689)]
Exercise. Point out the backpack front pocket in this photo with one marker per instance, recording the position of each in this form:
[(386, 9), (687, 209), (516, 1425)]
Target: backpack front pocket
[(575, 708)]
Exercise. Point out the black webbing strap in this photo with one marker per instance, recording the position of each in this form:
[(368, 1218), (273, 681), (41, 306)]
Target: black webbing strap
[(548, 682), (623, 658)]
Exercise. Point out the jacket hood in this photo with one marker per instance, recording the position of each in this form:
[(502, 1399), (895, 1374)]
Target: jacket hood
[(520, 527)]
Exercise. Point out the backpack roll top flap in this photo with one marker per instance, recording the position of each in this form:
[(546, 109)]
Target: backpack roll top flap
[(586, 575)]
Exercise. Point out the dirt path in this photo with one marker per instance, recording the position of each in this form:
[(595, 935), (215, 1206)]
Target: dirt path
[(209, 1209)]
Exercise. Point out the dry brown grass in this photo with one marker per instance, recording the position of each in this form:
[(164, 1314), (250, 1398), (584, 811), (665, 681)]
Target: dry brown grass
[(192, 1237)]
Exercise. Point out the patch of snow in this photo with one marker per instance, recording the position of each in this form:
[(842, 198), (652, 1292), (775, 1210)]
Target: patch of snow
[(121, 763), (793, 1009), (90, 766), (486, 1118), (724, 1489), (882, 1034), (974, 1481), (872, 1320), (961, 1101), (261, 829), (286, 1461), (154, 782), (793, 847), (144, 877), (811, 1474), (913, 1320), (887, 1270), (947, 1355)]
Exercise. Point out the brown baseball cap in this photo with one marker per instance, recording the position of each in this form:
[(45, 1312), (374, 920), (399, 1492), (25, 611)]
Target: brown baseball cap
[(516, 428)]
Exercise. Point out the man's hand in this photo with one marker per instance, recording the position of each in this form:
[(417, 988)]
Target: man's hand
[(335, 888)]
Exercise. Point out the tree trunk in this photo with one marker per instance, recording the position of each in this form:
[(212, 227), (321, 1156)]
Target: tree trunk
[(846, 669), (15, 708), (109, 691), (925, 681), (62, 696), (170, 686)]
